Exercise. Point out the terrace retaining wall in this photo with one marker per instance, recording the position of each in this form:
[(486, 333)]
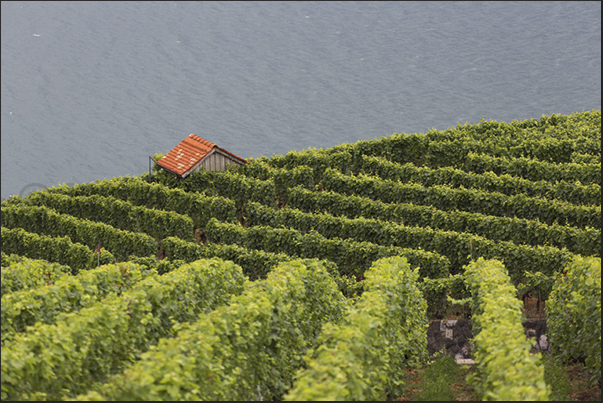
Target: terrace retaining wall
[(453, 337)]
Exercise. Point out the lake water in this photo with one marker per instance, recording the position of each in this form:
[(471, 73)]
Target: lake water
[(91, 89)]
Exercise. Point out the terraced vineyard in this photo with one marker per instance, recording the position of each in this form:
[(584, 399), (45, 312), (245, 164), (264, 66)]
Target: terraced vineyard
[(309, 275)]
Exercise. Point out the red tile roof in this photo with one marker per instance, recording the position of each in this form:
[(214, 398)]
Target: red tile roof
[(188, 153)]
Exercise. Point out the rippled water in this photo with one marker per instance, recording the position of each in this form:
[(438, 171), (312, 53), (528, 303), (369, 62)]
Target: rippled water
[(91, 89)]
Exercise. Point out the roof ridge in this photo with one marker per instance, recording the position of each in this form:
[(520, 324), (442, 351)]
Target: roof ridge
[(201, 139)]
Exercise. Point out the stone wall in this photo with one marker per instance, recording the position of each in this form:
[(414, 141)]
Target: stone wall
[(454, 337)]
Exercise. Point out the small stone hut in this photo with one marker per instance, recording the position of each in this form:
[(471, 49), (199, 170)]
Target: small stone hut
[(193, 153)]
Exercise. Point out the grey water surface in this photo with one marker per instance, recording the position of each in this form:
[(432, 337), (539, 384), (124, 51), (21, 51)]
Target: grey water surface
[(90, 89)]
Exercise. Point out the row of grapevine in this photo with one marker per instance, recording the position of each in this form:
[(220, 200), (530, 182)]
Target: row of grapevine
[(585, 241), (575, 193), (225, 184), (25, 308), (449, 147), (531, 232), (574, 314), (21, 273), (581, 125), (505, 368), (572, 126), (53, 249), (153, 263), (319, 161), (349, 160), (534, 170), (229, 184), (117, 213), (471, 200), (557, 151), (579, 158), (352, 257), (256, 263), (521, 231), (247, 350), (364, 356), (43, 220), (459, 248), (154, 195), (62, 360)]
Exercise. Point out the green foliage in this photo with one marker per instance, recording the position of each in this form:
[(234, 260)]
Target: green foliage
[(68, 294), (536, 284), (534, 170), (459, 248), (437, 377), (556, 378), (575, 193), (156, 157), (139, 192), (54, 249), (7, 259), (224, 184), (61, 360), (574, 314), (531, 149), (117, 213), (42, 220), (247, 350), (352, 257), (160, 266), (471, 200), (505, 368), (584, 241), (580, 158), (363, 357), (21, 273), (256, 263), (307, 167), (437, 292)]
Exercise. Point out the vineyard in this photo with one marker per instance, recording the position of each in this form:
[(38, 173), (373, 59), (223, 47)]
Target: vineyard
[(313, 275)]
